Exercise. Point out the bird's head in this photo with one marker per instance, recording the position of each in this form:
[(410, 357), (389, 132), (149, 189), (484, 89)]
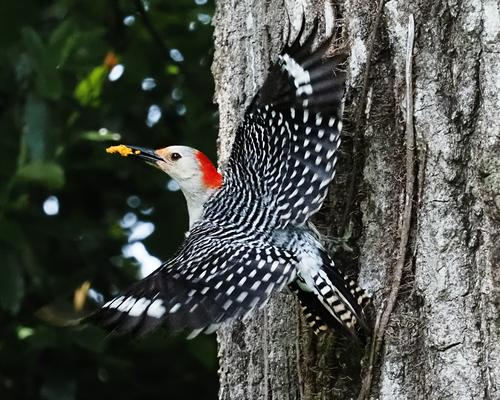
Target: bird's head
[(190, 168)]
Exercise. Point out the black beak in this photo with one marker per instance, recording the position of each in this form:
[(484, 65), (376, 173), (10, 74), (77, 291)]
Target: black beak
[(147, 155)]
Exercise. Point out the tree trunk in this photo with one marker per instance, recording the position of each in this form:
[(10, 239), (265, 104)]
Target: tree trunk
[(442, 194)]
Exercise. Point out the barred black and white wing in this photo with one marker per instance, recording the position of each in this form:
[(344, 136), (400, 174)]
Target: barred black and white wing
[(286, 147), (210, 280), (282, 161)]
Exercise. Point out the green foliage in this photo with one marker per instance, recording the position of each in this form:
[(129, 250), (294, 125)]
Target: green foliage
[(68, 210), (88, 91), (48, 174), (43, 62)]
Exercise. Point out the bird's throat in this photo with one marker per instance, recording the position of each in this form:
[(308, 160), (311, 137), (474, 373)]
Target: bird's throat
[(195, 201)]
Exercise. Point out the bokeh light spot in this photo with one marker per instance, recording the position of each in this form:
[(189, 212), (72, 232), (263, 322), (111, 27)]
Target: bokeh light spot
[(133, 201), (180, 109), (176, 94), (116, 72), (154, 115), (204, 18), (129, 20), (138, 251), (148, 84), (51, 205), (128, 220), (176, 55), (140, 231)]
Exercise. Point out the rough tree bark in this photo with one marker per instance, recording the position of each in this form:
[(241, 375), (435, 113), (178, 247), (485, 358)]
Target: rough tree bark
[(441, 341)]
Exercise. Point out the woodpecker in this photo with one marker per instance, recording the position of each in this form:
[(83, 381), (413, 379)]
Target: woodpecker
[(249, 230)]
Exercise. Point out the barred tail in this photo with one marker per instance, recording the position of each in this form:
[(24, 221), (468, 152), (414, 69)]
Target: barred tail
[(334, 302)]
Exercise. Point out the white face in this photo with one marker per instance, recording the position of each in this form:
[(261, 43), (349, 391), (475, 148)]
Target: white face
[(191, 169), (180, 163)]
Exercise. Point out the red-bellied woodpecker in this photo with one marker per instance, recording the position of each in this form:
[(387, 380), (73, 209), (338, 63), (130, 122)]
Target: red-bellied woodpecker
[(249, 233)]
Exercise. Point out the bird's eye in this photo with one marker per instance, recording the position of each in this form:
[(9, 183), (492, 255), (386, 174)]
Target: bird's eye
[(175, 156)]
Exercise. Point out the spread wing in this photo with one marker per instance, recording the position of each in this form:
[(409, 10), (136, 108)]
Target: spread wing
[(282, 161), (212, 278), (285, 150)]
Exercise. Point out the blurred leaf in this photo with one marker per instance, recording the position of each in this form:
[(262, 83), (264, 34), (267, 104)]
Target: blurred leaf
[(67, 41), (60, 34), (63, 42), (34, 44), (88, 91), (58, 390), (35, 127), (24, 332), (48, 174), (101, 136), (60, 313), (11, 284), (172, 69), (47, 80), (80, 296)]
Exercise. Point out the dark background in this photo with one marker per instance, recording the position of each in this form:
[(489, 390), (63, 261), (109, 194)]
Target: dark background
[(72, 215)]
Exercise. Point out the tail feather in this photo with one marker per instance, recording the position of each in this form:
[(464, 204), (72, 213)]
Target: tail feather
[(316, 315), (346, 298), (334, 301)]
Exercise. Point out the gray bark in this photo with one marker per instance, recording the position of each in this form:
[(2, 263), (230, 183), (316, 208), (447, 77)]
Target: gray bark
[(442, 338)]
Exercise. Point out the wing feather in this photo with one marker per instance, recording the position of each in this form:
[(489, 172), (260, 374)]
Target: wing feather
[(200, 288), (285, 150)]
